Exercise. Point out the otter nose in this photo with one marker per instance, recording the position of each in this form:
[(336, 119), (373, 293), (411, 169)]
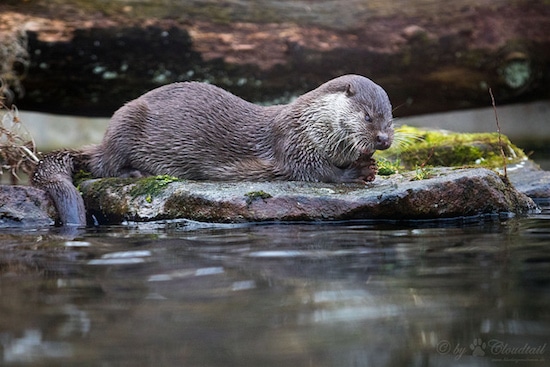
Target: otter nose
[(382, 141)]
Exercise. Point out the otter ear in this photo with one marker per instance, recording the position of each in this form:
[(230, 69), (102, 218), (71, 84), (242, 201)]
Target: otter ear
[(350, 91)]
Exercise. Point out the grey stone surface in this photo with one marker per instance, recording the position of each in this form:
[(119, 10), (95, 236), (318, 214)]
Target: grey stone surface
[(23, 206), (450, 193), (530, 180)]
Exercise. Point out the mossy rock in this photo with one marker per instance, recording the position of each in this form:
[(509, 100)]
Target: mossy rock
[(416, 147), (152, 186)]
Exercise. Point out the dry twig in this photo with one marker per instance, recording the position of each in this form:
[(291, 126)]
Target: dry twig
[(17, 147), (504, 160)]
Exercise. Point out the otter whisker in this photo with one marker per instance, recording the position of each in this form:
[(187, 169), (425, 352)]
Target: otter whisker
[(347, 146), (404, 139)]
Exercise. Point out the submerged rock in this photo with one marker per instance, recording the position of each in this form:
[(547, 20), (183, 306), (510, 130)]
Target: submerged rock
[(447, 194)]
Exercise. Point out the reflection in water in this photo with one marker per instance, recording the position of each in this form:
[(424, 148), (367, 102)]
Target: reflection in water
[(353, 294), (30, 347)]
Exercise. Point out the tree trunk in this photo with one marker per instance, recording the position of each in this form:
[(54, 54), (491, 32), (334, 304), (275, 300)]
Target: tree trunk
[(430, 55)]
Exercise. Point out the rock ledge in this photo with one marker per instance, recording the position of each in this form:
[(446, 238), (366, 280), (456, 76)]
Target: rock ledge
[(451, 193)]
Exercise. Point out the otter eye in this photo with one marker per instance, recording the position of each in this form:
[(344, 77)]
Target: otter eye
[(368, 118)]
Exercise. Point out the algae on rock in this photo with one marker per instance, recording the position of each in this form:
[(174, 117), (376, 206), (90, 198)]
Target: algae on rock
[(415, 147)]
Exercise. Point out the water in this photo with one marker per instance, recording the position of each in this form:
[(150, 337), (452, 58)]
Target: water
[(462, 293)]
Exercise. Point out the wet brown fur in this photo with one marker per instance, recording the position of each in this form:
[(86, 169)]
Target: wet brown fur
[(201, 132)]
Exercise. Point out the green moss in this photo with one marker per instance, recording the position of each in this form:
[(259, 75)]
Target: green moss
[(254, 195), (118, 188), (450, 149), (388, 167), (81, 176), (423, 173), (113, 183), (151, 186), (109, 203)]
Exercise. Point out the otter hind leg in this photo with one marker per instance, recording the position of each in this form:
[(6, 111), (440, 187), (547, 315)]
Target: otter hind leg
[(126, 134)]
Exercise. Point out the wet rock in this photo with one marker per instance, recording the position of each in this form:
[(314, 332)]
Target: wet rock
[(23, 206), (531, 180), (448, 193)]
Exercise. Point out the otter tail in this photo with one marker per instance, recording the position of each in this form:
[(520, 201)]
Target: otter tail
[(54, 174)]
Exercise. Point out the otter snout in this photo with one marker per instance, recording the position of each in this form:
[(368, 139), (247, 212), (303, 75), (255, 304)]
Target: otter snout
[(383, 141)]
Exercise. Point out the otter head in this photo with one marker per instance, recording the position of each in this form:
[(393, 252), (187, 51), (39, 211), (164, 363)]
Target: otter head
[(373, 110), (353, 117)]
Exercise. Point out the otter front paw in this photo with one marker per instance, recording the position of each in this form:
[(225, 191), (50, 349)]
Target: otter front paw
[(366, 168)]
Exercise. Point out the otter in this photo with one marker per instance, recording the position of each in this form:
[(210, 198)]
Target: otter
[(198, 131)]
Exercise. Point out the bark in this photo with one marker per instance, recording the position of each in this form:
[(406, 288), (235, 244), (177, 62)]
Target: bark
[(431, 55)]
